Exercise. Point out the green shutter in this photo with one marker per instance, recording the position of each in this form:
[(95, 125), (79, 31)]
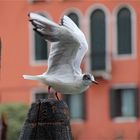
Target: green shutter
[(124, 31), (136, 92), (115, 103), (98, 40), (41, 51)]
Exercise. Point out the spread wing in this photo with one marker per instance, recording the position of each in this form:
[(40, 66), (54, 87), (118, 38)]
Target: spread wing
[(68, 44), (67, 22)]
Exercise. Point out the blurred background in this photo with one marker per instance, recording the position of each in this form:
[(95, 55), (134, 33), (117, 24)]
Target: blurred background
[(109, 111)]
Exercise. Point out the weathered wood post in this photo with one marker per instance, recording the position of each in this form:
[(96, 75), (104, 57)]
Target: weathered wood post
[(3, 126), (0, 55), (47, 120), (0, 52)]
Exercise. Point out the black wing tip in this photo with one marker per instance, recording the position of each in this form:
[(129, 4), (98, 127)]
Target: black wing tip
[(29, 14), (61, 21)]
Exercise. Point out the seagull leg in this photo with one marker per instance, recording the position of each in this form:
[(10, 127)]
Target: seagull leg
[(57, 96), (49, 88), (49, 91)]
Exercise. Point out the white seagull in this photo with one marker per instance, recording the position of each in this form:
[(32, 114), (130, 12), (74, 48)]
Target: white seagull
[(68, 47)]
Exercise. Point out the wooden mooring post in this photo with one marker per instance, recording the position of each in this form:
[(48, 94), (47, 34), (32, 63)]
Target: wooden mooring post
[(47, 120), (3, 126)]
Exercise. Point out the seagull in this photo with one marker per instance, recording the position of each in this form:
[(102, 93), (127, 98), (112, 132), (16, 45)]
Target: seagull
[(68, 47)]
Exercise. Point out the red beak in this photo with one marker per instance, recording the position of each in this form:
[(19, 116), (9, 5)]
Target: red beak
[(95, 82)]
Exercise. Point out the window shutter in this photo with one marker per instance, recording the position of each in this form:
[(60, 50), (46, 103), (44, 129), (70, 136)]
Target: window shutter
[(112, 100), (41, 50), (124, 31), (98, 40), (115, 103), (137, 103)]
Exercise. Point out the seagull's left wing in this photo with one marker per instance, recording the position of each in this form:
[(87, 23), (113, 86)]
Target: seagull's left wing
[(67, 22)]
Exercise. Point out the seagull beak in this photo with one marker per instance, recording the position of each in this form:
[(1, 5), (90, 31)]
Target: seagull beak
[(95, 82)]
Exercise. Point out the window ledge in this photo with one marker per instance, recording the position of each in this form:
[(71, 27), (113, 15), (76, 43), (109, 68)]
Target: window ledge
[(124, 56), (125, 119), (104, 74), (79, 121), (39, 63)]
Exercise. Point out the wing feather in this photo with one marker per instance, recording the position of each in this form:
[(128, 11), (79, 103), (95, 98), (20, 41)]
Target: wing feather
[(68, 45), (83, 43)]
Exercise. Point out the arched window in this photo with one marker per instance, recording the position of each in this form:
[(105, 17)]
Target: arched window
[(98, 40), (124, 38), (40, 47)]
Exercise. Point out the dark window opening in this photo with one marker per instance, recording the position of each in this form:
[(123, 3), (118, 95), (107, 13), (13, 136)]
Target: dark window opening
[(123, 102), (98, 40), (124, 31), (41, 46)]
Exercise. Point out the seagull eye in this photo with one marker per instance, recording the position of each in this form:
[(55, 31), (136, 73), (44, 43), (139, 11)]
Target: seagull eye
[(86, 77)]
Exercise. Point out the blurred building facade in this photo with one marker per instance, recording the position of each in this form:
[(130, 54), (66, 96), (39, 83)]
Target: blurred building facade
[(109, 111)]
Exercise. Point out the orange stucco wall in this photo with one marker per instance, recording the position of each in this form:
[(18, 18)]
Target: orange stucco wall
[(15, 35)]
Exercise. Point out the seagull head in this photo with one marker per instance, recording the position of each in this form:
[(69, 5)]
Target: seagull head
[(88, 79)]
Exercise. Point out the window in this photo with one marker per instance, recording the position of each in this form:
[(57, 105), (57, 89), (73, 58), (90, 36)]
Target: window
[(98, 40), (0, 51), (124, 38), (76, 105), (40, 48), (123, 102), (75, 102), (39, 95)]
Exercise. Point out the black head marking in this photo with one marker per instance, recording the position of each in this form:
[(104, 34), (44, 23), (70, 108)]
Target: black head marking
[(87, 77)]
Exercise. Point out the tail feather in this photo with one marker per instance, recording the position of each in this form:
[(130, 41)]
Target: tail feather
[(30, 77)]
